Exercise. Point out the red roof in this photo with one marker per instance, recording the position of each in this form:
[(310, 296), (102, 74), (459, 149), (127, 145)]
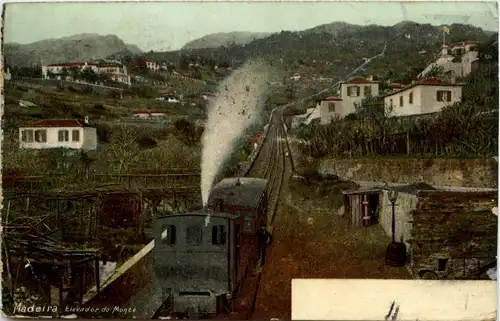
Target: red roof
[(142, 112), (333, 99), (431, 81), (396, 85), (359, 80), (108, 65), (257, 138), (57, 123), (68, 64), (465, 43)]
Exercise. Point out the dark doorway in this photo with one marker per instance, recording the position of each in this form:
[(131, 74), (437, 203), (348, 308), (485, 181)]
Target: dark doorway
[(442, 264), (373, 200)]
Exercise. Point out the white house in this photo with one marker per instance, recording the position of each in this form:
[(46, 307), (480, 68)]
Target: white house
[(114, 71), (331, 108), (455, 58), (158, 114), (352, 92), (46, 134), (117, 72), (142, 114), (424, 97), (152, 65)]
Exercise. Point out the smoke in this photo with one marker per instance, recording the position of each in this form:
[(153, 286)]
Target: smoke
[(236, 107)]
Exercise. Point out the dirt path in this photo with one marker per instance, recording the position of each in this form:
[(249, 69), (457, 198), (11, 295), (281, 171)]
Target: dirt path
[(312, 241)]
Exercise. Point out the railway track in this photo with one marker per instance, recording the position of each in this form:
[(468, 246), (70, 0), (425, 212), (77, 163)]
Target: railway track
[(271, 165)]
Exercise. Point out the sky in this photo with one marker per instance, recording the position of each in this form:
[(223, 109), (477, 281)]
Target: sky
[(165, 26)]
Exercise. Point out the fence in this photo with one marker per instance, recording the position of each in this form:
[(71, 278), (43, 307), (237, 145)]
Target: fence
[(176, 178)]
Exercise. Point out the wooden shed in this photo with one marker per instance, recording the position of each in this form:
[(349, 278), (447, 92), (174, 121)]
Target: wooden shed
[(361, 207)]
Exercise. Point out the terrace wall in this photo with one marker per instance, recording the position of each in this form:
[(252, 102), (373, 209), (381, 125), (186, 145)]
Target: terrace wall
[(478, 173), (453, 226)]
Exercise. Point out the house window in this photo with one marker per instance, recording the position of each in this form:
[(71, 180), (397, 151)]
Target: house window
[(247, 226), (401, 101), (391, 103), (76, 135), (63, 136), (41, 136), (353, 91), (410, 98), (194, 235), (368, 91), (168, 234), (331, 107), (443, 95), (218, 235), (27, 136)]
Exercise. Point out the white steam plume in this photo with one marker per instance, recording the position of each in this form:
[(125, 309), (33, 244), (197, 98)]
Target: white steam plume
[(236, 107)]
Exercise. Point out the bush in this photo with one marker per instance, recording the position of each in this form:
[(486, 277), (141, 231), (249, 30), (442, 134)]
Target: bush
[(103, 132), (187, 131), (147, 142)]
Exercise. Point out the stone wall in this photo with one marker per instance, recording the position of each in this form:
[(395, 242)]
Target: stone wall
[(453, 226), (480, 173), (403, 208)]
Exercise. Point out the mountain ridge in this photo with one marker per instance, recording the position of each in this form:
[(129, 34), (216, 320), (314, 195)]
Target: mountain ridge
[(220, 39), (78, 47)]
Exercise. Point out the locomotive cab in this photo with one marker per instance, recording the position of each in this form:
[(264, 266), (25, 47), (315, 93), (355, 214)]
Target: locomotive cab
[(202, 262), (191, 258)]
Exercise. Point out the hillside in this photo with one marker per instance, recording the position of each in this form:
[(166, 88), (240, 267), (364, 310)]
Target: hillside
[(73, 48), (335, 49), (224, 39)]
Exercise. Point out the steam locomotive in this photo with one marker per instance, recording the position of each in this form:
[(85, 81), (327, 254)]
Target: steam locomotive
[(202, 261)]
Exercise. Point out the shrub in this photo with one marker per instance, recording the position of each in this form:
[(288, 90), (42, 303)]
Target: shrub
[(147, 142)]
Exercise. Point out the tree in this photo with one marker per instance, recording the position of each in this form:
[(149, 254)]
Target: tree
[(123, 146), (89, 75)]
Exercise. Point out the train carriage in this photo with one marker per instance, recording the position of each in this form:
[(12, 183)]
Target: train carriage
[(202, 263), (246, 197)]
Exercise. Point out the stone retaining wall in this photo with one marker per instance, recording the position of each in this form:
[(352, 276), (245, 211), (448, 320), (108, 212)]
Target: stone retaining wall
[(480, 173), (453, 226)]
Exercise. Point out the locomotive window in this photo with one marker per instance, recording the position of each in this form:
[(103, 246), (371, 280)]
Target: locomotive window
[(218, 235), (168, 234), (194, 235), (247, 227)]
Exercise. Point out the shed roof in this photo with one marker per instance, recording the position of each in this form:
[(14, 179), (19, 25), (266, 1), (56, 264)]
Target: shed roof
[(408, 189), (362, 191), (247, 193)]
